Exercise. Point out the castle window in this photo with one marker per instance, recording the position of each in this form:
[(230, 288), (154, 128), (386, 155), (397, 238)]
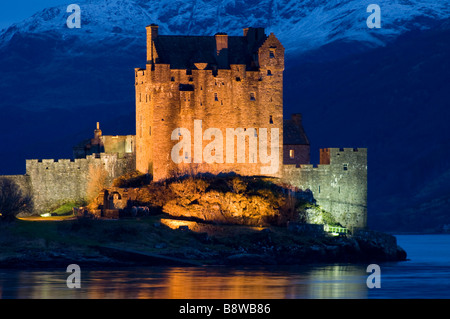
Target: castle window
[(291, 153), (269, 73), (238, 79), (191, 79), (252, 96), (271, 120), (345, 167), (172, 79), (216, 98), (272, 53)]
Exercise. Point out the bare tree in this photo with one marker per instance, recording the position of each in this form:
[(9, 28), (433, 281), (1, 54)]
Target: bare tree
[(12, 200), (97, 181)]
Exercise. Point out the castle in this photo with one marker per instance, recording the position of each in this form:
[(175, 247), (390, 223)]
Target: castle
[(192, 91)]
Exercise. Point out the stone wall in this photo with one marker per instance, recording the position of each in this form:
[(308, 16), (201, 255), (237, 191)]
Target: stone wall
[(339, 186), (54, 183)]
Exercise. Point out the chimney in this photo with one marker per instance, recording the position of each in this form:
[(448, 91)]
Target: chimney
[(221, 42), (222, 50), (254, 35), (152, 34), (97, 132)]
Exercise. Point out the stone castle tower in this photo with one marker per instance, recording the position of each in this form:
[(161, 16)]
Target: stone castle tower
[(202, 82)]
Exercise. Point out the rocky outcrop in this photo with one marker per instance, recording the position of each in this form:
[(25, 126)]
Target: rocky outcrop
[(378, 245)]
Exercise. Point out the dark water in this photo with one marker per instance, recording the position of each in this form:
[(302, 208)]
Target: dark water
[(425, 275)]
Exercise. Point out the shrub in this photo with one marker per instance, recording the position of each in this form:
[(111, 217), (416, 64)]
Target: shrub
[(67, 208), (132, 179)]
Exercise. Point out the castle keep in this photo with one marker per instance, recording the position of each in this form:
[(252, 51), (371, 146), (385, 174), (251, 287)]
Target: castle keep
[(227, 82), (191, 88)]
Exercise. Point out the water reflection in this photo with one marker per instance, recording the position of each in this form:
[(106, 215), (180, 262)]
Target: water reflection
[(330, 281)]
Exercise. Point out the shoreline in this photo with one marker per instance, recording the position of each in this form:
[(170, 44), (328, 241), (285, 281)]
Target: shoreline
[(149, 242)]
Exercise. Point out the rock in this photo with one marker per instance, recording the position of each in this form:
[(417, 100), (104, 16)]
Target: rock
[(250, 259), (160, 246), (379, 246)]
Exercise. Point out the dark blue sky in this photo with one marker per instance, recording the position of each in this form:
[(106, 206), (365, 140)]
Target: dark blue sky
[(16, 11)]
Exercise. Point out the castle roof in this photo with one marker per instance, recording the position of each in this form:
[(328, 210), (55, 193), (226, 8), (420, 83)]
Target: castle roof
[(181, 52), (293, 133)]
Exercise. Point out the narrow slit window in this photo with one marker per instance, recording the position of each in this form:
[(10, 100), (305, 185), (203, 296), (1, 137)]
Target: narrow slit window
[(345, 167), (270, 120), (216, 98), (252, 96), (269, 73)]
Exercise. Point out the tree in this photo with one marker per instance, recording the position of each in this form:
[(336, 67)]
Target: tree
[(12, 200), (97, 180)]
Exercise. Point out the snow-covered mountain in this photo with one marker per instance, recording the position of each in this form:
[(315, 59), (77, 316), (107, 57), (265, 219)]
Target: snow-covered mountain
[(301, 25)]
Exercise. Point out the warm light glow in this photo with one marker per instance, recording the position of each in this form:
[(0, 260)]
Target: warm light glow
[(175, 224)]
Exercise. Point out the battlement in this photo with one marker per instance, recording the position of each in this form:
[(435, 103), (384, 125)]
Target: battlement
[(331, 156), (162, 73)]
